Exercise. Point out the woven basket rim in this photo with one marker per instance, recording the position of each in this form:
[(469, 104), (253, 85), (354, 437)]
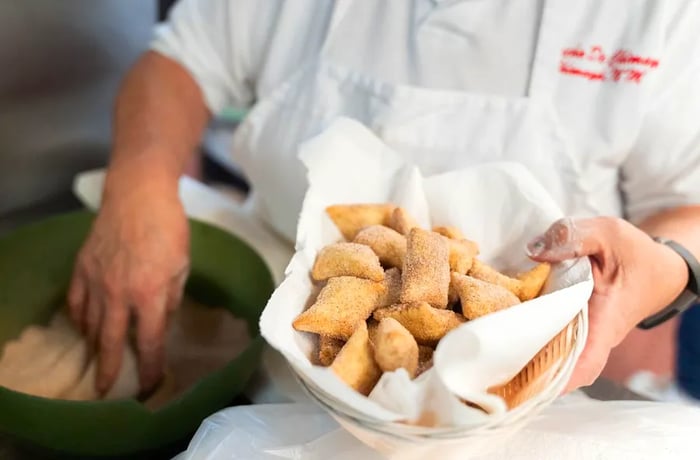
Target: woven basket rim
[(511, 419)]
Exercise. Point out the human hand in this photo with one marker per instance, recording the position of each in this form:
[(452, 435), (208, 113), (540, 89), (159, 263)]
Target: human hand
[(133, 265), (634, 277)]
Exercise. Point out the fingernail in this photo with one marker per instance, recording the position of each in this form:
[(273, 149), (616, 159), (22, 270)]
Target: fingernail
[(536, 246)]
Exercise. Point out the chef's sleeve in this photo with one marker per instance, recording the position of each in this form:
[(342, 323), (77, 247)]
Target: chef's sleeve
[(663, 169), (219, 42)]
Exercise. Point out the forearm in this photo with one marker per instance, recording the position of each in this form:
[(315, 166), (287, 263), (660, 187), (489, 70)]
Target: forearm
[(159, 119), (680, 224)]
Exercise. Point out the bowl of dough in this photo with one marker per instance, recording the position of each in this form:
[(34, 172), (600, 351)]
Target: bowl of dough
[(47, 370)]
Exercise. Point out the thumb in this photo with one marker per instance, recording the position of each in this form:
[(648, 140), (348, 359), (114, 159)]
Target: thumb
[(568, 239), (590, 364)]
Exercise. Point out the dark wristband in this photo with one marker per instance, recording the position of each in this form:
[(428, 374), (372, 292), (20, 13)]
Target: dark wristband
[(688, 297)]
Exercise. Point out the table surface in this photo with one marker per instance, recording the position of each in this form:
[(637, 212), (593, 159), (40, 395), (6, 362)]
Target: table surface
[(603, 390)]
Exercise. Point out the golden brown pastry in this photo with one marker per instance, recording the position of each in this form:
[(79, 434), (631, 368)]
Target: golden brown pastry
[(531, 282), (341, 305), (453, 295), (392, 287), (426, 324), (462, 254), (355, 363), (484, 272), (401, 221), (351, 218), (480, 298), (328, 349), (426, 272), (347, 259), (450, 232), (387, 243), (395, 347), (372, 327)]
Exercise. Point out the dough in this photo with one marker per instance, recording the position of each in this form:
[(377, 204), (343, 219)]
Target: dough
[(200, 340), (55, 362)]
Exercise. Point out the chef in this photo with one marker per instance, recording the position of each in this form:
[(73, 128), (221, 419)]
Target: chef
[(599, 100)]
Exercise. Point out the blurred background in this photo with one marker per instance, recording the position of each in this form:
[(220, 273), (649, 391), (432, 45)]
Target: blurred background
[(61, 65), (62, 62)]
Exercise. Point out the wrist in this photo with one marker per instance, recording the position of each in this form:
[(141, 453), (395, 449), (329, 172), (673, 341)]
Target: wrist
[(139, 175), (674, 280), (681, 275)]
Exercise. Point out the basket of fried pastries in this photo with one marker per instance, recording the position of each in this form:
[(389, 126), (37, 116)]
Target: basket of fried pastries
[(411, 312)]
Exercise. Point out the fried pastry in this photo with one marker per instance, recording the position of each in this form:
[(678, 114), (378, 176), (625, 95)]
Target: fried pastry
[(480, 298), (351, 218), (347, 259), (425, 323), (426, 271), (452, 295), (372, 327), (392, 287), (341, 304), (395, 347), (462, 254), (450, 232), (532, 281), (355, 363), (484, 272), (387, 243), (328, 349), (401, 221)]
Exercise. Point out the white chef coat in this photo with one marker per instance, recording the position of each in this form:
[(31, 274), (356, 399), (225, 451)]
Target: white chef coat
[(600, 100)]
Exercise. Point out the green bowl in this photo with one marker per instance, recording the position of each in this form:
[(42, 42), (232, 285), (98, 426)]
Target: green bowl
[(35, 268)]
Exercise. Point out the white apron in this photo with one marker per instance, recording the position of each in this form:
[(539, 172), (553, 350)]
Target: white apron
[(438, 130)]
